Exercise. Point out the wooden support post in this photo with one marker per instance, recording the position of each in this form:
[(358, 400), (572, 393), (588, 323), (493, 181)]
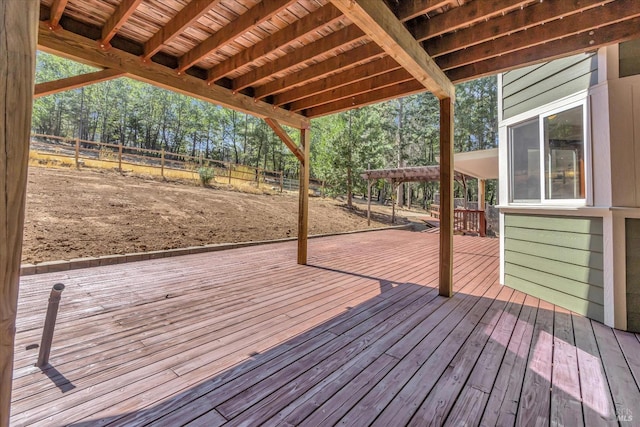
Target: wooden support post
[(394, 187), (77, 153), (369, 202), (446, 197), (162, 162), (303, 195), (120, 157), (18, 38), (229, 173), (281, 181), (481, 194)]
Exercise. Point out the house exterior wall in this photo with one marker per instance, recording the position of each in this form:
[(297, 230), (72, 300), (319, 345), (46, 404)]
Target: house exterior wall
[(534, 86), (558, 259), (546, 250), (632, 235)]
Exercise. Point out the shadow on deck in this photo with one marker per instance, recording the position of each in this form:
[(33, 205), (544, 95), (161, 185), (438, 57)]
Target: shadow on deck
[(358, 337)]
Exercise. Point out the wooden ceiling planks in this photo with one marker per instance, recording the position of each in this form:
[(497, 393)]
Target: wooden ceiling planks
[(285, 53)]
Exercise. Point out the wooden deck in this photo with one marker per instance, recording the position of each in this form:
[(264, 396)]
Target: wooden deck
[(357, 337)]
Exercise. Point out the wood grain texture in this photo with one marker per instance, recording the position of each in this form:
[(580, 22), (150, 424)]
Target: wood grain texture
[(48, 88), (303, 196), (18, 38), (286, 139), (84, 50), (357, 336), (446, 196), (387, 32)]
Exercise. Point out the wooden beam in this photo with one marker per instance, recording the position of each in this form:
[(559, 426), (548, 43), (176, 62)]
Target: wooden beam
[(321, 69), (48, 88), (284, 136), (339, 39), (255, 16), (583, 42), (343, 78), (363, 86), (446, 197), (17, 70), (81, 49), (320, 18), (463, 16), (386, 31), (187, 16), (518, 20), (378, 95), (303, 197), (57, 9), (123, 12), (409, 9), (591, 19)]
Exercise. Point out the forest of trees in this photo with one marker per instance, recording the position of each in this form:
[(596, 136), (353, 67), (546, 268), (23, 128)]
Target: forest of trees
[(402, 132)]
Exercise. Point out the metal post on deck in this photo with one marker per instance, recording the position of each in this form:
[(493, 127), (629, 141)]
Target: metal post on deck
[(49, 324)]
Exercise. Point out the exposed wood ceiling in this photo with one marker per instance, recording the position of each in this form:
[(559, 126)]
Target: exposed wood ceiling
[(297, 59)]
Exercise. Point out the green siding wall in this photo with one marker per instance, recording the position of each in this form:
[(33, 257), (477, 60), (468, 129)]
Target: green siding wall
[(629, 57), (632, 230), (558, 259), (534, 86)]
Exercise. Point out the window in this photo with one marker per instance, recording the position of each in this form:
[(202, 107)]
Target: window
[(547, 158)]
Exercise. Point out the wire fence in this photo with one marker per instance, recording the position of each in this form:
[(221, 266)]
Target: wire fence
[(82, 150)]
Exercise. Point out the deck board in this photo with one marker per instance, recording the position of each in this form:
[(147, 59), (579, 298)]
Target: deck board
[(357, 337)]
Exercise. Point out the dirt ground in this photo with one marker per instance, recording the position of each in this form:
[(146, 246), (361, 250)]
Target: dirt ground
[(73, 214)]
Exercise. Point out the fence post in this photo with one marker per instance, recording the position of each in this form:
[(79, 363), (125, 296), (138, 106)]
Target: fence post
[(77, 152), (120, 157), (162, 162), (281, 181), (229, 168)]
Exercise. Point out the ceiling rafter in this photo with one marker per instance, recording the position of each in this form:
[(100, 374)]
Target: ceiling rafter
[(379, 95), (409, 9), (73, 46), (521, 19), (336, 40), (255, 16), (334, 81), (386, 31), (57, 9), (322, 17), (180, 22), (117, 20), (354, 57), (459, 17), (74, 82), (585, 41), (366, 85), (558, 29)]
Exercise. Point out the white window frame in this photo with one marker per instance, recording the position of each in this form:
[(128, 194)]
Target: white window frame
[(541, 114)]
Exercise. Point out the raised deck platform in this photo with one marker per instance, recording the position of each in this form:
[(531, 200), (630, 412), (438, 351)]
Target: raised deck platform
[(357, 337)]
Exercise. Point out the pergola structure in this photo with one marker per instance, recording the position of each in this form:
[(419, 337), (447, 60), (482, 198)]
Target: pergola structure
[(286, 61), (397, 176)]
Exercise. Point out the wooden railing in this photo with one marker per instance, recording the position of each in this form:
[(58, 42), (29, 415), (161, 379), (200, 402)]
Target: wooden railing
[(81, 149), (466, 220), (470, 221)]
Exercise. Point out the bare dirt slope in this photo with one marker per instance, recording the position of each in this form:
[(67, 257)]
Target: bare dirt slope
[(73, 214)]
